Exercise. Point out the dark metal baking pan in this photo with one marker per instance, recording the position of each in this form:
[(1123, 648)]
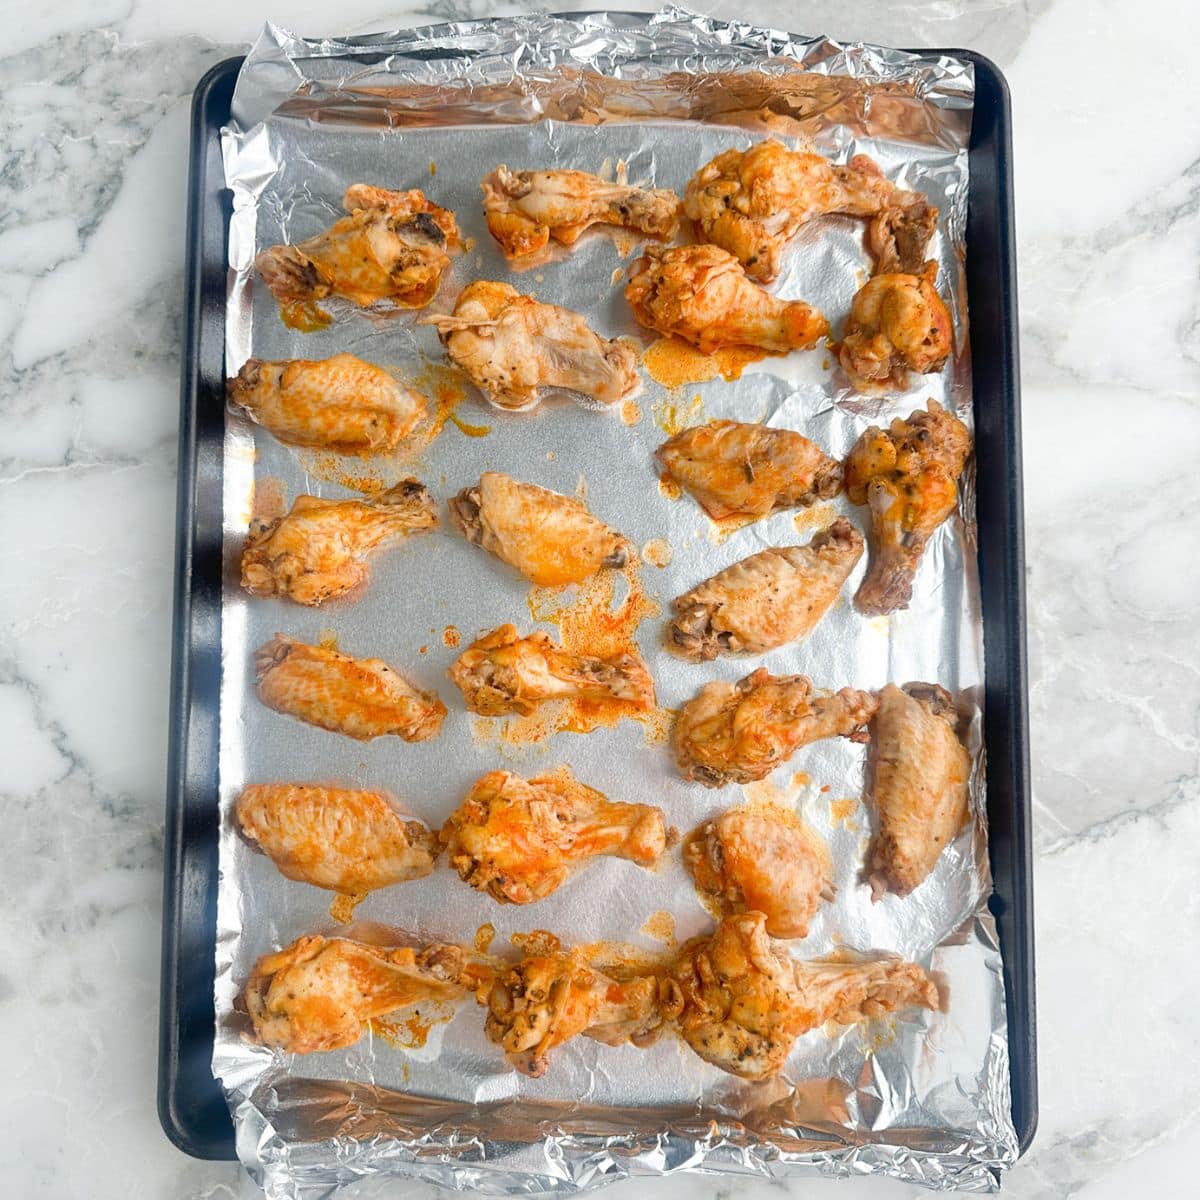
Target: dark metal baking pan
[(191, 1105)]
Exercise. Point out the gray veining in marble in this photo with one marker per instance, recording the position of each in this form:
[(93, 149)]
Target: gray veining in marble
[(93, 157)]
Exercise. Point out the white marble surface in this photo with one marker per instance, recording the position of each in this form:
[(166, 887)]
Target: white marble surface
[(93, 159)]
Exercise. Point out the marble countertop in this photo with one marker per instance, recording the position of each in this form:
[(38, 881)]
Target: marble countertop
[(94, 100)]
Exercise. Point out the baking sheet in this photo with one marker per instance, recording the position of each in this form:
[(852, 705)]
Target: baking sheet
[(923, 1097)]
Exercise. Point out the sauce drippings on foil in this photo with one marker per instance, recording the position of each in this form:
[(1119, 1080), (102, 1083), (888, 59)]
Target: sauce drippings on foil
[(675, 416), (304, 316), (814, 518), (660, 926), (673, 363)]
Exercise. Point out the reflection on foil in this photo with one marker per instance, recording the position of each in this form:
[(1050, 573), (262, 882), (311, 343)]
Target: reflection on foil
[(924, 1097)]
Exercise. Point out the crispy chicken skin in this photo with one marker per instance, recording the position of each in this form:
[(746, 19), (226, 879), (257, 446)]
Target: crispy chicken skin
[(525, 209), (740, 1003), (518, 839), (921, 774), (772, 598), (319, 993), (553, 995), (339, 403), (737, 733), (350, 842), (737, 468), (701, 294), (752, 202), (549, 538), (763, 859), (392, 246), (317, 551), (512, 347), (897, 324), (363, 698), (908, 475), (503, 672)]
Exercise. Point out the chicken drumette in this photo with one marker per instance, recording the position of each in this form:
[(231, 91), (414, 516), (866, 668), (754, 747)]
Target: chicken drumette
[(908, 476), (341, 403), (553, 995), (361, 697), (735, 468), (549, 538), (737, 733), (503, 672), (350, 842), (701, 294), (319, 993), (762, 859), (921, 775), (317, 551), (767, 600), (525, 209), (752, 202), (519, 839), (897, 324), (392, 246), (740, 1003), (513, 347)]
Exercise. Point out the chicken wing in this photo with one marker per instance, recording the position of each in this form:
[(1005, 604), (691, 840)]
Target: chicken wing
[(349, 842), (363, 698), (740, 1003), (525, 209), (897, 324), (921, 774), (553, 995), (341, 403), (762, 859), (319, 993), (518, 839), (549, 538), (392, 246), (752, 202), (317, 551), (738, 468), (503, 672), (909, 478), (701, 294), (737, 733), (767, 600), (513, 347)]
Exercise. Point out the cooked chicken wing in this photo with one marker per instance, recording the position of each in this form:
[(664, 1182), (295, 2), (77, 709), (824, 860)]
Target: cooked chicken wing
[(513, 347), (525, 209), (767, 600), (897, 324), (737, 733), (909, 477), (553, 995), (319, 993), (346, 841), (762, 858), (550, 538), (361, 697), (921, 775), (318, 550), (392, 246), (734, 467), (752, 202), (701, 294), (740, 1003), (503, 672), (341, 403), (518, 839)]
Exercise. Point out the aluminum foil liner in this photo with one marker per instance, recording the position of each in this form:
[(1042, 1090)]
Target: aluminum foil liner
[(923, 1097)]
